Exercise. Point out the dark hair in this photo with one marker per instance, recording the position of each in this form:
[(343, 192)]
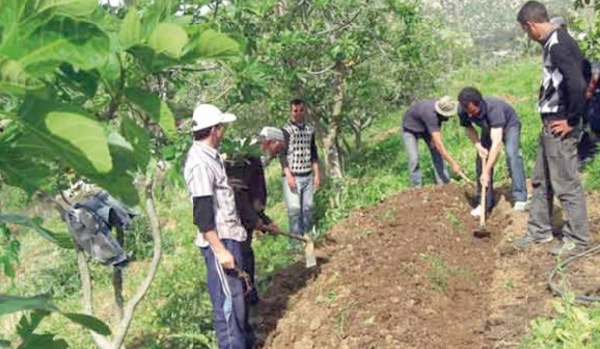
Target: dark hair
[(533, 11), (203, 133), (469, 95), (296, 101)]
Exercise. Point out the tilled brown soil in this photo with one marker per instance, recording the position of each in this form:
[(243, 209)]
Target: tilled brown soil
[(408, 273)]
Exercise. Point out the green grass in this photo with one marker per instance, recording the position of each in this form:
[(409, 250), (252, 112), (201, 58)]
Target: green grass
[(177, 311)]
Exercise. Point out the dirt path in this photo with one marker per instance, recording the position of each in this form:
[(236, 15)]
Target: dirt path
[(408, 274)]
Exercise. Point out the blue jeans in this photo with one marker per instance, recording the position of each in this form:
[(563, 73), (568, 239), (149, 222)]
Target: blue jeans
[(226, 291), (299, 204), (514, 162), (414, 171)]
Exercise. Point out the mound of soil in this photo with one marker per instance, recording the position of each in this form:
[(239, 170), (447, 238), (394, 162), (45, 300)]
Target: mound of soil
[(408, 273)]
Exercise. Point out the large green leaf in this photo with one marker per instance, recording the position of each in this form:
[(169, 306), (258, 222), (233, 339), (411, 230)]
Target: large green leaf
[(62, 240), (18, 168), (151, 104), (69, 132), (119, 182), (131, 30), (43, 341), (11, 304), (139, 139), (62, 39), (30, 322), (211, 44), (85, 82), (69, 7), (13, 79), (89, 322), (169, 39), (152, 61)]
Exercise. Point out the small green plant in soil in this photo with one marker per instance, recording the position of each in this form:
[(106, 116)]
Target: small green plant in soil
[(439, 272)]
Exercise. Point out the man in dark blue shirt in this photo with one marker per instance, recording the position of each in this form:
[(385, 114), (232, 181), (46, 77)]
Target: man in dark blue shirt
[(499, 124), (423, 120)]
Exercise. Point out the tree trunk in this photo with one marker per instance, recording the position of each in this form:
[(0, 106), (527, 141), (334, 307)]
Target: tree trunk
[(333, 161), (118, 277), (357, 139)]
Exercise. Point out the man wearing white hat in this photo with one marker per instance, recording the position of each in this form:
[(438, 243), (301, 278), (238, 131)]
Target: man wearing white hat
[(423, 120), (220, 233)]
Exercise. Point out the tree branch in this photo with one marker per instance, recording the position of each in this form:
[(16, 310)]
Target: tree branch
[(194, 70), (221, 94), (118, 277), (343, 26), (328, 69), (86, 288), (145, 285)]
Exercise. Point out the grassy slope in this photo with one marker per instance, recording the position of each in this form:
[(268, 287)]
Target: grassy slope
[(178, 302)]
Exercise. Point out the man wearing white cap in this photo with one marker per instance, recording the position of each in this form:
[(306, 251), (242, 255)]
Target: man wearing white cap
[(220, 233), (423, 120)]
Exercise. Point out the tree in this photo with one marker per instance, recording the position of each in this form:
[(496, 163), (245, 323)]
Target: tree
[(85, 91), (320, 51)]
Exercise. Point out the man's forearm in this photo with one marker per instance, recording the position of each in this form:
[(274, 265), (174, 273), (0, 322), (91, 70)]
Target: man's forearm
[(287, 171), (439, 146), (213, 240), (493, 156), (472, 134), (315, 168)]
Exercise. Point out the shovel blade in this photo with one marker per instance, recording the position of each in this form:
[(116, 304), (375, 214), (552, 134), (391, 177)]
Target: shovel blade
[(482, 232), (309, 254)]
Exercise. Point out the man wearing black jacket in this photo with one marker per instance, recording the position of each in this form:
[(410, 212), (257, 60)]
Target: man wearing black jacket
[(561, 105), (246, 176)]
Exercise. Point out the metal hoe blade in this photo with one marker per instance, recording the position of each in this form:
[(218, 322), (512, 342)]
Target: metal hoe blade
[(309, 254)]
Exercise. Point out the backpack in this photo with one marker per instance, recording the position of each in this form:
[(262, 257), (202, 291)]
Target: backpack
[(246, 172)]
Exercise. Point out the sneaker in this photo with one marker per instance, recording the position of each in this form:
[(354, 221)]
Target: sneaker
[(567, 247), (526, 241), (476, 211), (520, 206)]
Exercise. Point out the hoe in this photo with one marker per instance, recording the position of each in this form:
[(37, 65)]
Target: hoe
[(309, 249), (482, 231)]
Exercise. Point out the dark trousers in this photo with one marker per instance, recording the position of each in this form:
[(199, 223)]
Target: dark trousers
[(249, 266), (226, 291), (556, 173)]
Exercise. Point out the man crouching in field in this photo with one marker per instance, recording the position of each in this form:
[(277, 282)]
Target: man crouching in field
[(423, 120)]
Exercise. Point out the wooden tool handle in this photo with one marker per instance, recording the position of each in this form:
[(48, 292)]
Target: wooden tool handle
[(483, 191), (467, 179), (290, 235)]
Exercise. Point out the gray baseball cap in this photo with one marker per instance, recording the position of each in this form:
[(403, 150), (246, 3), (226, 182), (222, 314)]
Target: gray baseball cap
[(271, 133)]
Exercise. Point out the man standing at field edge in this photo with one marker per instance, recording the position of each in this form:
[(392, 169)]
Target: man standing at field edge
[(561, 105)]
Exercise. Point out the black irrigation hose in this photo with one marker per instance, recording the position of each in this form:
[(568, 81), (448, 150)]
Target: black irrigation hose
[(559, 292)]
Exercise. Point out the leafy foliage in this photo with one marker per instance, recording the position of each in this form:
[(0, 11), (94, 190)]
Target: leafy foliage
[(9, 251), (574, 327), (71, 68), (84, 95)]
